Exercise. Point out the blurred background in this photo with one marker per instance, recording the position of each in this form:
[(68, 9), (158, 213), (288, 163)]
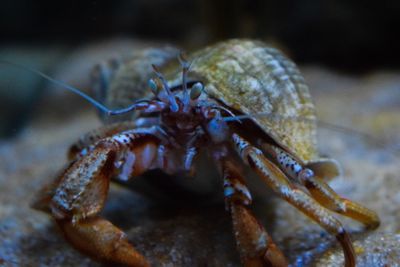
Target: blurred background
[(65, 38), (347, 50)]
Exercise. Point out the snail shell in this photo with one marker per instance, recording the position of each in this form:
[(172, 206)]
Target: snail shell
[(125, 80), (250, 77), (246, 76)]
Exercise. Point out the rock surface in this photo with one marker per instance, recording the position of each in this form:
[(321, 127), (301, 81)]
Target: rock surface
[(198, 232)]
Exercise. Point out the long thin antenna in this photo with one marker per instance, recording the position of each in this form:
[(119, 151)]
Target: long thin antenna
[(321, 123), (229, 112), (248, 116), (73, 90), (369, 138), (137, 104)]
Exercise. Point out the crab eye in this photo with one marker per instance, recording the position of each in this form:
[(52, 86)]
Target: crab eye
[(196, 90), (153, 86)]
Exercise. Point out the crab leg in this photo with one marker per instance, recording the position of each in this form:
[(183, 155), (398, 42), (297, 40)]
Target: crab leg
[(255, 246), (82, 191), (80, 148), (45, 194), (90, 138), (321, 191), (77, 150), (278, 181)]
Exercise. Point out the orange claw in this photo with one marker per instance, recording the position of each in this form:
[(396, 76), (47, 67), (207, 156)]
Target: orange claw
[(101, 240), (78, 194)]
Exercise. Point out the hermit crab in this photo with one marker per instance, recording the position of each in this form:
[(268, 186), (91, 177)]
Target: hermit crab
[(241, 102)]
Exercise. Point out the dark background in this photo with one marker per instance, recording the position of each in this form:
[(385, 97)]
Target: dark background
[(355, 37)]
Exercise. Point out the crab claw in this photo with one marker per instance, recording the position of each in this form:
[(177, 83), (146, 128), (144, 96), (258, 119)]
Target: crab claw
[(103, 241)]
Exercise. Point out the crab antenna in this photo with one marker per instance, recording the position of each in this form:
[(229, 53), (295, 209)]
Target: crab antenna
[(321, 123), (185, 69), (74, 90), (134, 106), (266, 114), (233, 116), (248, 116), (174, 106)]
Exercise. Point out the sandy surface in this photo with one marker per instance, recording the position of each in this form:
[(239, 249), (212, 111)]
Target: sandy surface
[(198, 233)]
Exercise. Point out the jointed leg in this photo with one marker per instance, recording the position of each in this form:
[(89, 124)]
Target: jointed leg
[(78, 149), (87, 141), (278, 181), (90, 138), (46, 193), (101, 240), (255, 246), (81, 193), (321, 191)]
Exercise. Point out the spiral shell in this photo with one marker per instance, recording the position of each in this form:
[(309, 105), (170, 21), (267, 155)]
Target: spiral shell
[(247, 76), (250, 77)]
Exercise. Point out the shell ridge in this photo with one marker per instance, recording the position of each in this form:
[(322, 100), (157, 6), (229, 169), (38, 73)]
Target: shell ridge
[(251, 78)]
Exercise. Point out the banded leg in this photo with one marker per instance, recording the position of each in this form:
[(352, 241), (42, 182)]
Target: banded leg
[(321, 191), (278, 181), (82, 190), (88, 140), (77, 150), (255, 246), (84, 143)]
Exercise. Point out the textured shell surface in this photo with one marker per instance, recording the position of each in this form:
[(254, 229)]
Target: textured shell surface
[(250, 77), (246, 76), (128, 81)]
